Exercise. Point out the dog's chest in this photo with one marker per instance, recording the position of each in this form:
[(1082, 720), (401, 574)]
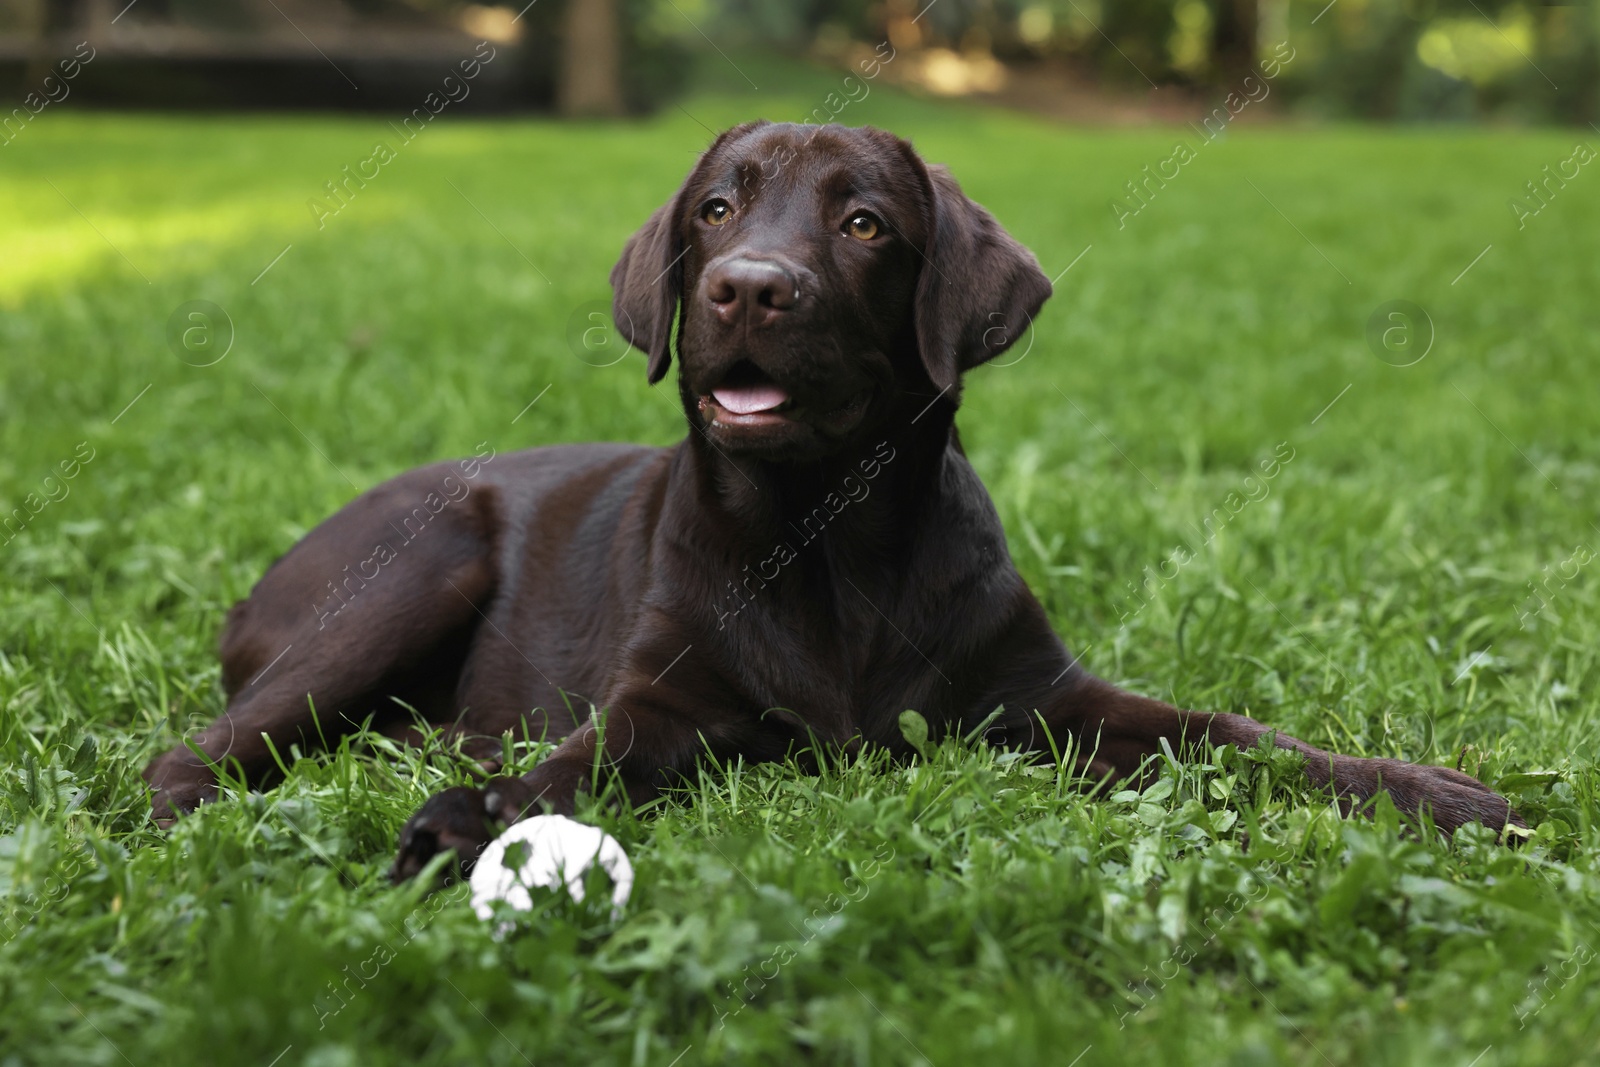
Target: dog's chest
[(831, 660)]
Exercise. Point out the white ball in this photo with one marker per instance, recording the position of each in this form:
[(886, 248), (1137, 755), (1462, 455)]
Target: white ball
[(557, 851)]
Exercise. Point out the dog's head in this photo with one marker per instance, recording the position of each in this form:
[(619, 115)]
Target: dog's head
[(828, 278)]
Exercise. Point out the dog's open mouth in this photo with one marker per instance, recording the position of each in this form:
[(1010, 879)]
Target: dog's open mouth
[(747, 400), (747, 397), (750, 399)]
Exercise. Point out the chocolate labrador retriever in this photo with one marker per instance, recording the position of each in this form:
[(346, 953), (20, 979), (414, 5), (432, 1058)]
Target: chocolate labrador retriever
[(816, 556)]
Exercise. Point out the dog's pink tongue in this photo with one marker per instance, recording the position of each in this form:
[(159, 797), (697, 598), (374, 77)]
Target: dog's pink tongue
[(749, 399)]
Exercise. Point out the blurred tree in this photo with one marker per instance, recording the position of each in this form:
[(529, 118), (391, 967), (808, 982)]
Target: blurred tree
[(1128, 42), (1233, 39), (62, 20), (62, 16), (591, 59), (1522, 60)]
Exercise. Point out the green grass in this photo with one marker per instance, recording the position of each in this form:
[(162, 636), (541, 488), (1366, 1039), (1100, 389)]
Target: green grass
[(996, 915)]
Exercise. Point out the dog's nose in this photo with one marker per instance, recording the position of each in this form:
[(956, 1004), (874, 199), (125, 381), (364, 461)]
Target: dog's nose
[(754, 290)]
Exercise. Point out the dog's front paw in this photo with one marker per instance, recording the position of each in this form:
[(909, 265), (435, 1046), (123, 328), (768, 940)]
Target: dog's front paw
[(1454, 799), (178, 785), (462, 820), (508, 799)]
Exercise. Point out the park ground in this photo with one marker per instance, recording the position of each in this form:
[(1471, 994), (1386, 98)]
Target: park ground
[(1413, 580)]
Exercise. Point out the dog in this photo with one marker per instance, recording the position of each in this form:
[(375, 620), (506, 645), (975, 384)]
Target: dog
[(816, 556)]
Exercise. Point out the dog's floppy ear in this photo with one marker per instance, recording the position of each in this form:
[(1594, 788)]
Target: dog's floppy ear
[(979, 288), (645, 285), (647, 281)]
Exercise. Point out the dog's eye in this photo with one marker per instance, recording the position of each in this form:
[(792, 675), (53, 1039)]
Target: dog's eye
[(716, 212), (863, 227)]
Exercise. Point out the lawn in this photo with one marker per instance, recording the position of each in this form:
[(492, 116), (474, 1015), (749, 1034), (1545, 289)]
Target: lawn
[(1377, 596)]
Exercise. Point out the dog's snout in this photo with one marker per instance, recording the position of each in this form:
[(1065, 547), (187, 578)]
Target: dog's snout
[(756, 291)]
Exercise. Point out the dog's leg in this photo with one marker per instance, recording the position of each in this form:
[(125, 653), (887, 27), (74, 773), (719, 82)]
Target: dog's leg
[(641, 743), (653, 730), (1118, 731), (353, 609)]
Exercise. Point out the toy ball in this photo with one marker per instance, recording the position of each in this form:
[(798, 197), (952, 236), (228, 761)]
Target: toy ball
[(556, 851)]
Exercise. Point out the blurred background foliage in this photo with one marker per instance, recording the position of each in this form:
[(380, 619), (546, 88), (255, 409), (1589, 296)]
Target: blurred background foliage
[(1407, 60)]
